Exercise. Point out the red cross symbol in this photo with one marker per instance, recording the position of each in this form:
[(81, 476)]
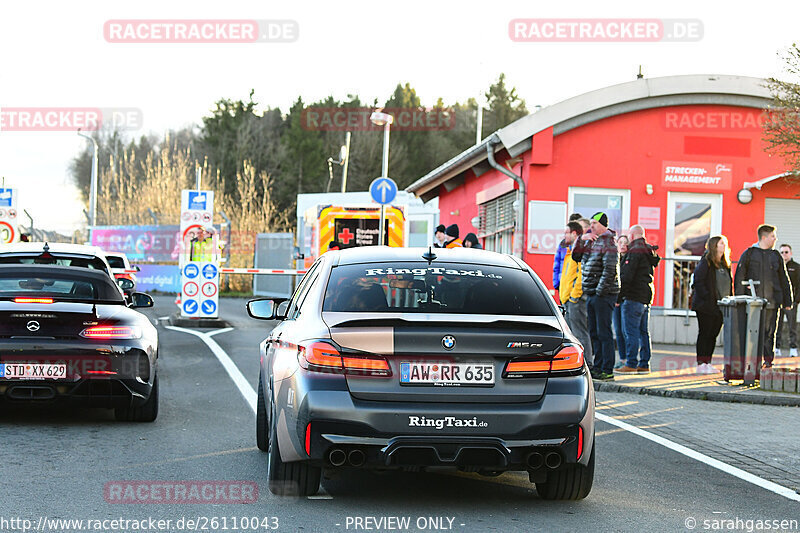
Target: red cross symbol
[(345, 236)]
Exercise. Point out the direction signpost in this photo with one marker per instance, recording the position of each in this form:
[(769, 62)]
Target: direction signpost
[(383, 191), (9, 230), (199, 275)]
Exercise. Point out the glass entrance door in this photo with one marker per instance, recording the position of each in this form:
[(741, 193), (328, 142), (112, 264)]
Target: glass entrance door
[(691, 219)]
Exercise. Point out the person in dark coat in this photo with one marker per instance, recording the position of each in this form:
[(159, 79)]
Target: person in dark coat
[(619, 333), (636, 292), (793, 270), (471, 241), (762, 262), (600, 269), (712, 282)]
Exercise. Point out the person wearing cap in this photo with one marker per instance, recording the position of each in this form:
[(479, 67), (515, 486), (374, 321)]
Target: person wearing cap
[(600, 269), (203, 246), (452, 235), (440, 236)]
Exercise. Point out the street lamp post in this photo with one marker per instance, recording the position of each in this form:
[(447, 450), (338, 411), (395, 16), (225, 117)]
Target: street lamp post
[(383, 119), (93, 186)]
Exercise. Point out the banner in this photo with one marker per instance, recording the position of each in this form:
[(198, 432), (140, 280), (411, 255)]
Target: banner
[(152, 244), (163, 278)]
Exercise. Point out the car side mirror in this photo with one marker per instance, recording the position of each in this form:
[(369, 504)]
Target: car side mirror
[(136, 268), (268, 308), (563, 309), (125, 284), (140, 299)]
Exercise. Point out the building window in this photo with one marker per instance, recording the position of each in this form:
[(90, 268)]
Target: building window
[(497, 223), (615, 203)]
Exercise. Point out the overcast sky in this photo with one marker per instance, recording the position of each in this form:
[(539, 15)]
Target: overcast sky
[(54, 54)]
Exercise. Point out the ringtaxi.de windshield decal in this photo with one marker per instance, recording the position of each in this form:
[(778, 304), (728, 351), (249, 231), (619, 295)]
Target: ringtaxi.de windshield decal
[(430, 270)]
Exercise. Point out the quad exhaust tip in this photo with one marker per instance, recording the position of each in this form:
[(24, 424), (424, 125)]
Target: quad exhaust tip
[(356, 457), (553, 460), (337, 457), (534, 460)]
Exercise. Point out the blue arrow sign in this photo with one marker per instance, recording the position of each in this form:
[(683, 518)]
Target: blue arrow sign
[(6, 197), (208, 307), (383, 190), (209, 271), (191, 271), (190, 307)]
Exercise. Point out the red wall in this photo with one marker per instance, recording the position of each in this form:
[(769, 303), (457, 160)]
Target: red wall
[(628, 152)]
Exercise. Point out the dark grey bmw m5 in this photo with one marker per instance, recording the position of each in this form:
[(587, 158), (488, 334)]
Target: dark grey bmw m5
[(406, 358)]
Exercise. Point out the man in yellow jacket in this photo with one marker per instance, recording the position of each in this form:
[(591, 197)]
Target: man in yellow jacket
[(570, 290)]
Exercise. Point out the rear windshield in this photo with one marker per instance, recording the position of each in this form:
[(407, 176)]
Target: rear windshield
[(56, 287), (83, 262), (435, 288), (115, 262)]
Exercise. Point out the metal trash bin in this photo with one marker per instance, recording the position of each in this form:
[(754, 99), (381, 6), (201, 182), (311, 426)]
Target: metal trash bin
[(743, 320)]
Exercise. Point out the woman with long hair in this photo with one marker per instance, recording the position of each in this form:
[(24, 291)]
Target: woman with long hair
[(712, 281)]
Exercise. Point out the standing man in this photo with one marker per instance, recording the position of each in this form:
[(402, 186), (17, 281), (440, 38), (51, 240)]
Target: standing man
[(571, 292), (440, 236), (600, 269), (636, 292), (793, 270), (561, 252), (203, 247), (452, 237), (761, 262)]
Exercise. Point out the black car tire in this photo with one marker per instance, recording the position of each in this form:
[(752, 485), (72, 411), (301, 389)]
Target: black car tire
[(571, 482), (290, 479), (147, 412), (262, 421)]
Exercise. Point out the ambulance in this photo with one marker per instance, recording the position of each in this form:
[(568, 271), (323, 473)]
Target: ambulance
[(350, 226)]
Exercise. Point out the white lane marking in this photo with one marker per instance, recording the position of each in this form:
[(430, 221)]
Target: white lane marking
[(710, 461), (216, 331), (227, 363), (163, 318), (247, 391), (321, 495)]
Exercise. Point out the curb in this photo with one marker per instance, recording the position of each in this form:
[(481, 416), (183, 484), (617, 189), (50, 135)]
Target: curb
[(712, 396), (181, 322)]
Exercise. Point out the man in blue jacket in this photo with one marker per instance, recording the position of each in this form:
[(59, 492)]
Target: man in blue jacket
[(561, 253)]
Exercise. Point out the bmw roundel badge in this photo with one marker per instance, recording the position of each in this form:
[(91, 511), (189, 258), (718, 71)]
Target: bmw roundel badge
[(449, 342)]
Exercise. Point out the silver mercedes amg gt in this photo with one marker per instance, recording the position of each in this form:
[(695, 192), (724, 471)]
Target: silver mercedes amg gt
[(407, 358)]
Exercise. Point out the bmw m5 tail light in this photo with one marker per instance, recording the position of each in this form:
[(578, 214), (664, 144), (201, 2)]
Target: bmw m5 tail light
[(568, 358), (112, 332), (322, 356)]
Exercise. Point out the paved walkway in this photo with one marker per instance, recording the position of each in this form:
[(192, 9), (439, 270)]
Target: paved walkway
[(673, 374)]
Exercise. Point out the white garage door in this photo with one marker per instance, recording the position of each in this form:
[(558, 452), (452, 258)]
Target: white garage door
[(785, 215)]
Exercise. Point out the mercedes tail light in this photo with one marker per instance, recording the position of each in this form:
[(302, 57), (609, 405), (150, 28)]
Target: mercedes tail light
[(33, 300), (111, 332)]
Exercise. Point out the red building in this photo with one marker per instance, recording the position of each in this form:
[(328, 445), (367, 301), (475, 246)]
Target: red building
[(683, 156)]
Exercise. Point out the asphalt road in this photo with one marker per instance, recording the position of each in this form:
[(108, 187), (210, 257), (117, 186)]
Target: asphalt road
[(55, 462)]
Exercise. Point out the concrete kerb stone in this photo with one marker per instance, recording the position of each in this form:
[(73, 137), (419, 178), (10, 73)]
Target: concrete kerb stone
[(713, 396), (183, 322)]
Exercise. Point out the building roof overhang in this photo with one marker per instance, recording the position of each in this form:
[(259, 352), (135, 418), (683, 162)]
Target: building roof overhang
[(741, 91)]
